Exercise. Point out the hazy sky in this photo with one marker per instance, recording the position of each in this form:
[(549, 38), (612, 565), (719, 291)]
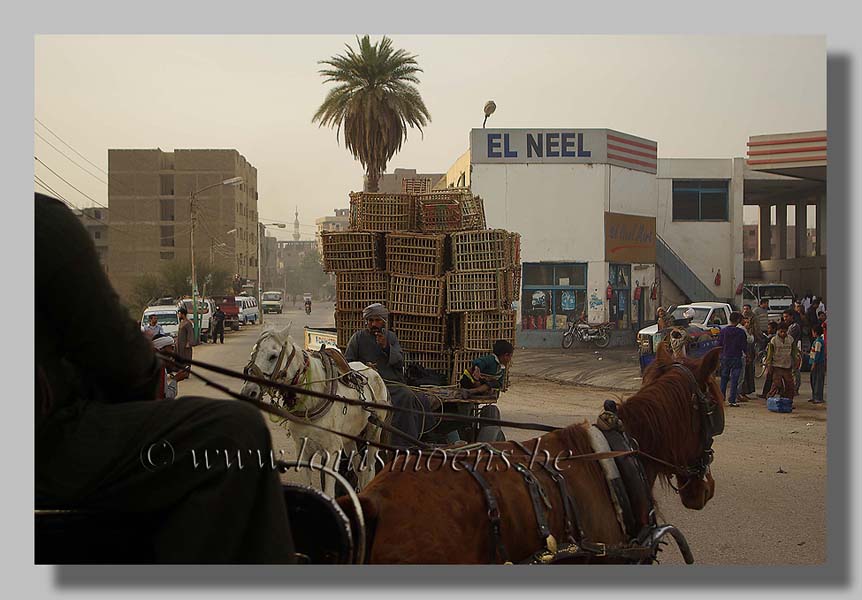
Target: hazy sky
[(697, 96)]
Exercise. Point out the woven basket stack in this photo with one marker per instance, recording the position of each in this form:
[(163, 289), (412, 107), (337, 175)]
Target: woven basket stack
[(447, 281)]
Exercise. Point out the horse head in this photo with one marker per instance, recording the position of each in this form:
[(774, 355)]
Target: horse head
[(675, 416), (266, 359)]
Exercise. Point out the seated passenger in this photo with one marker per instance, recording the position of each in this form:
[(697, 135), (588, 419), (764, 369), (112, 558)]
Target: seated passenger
[(487, 372)]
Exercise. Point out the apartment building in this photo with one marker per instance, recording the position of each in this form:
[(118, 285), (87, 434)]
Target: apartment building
[(148, 197)]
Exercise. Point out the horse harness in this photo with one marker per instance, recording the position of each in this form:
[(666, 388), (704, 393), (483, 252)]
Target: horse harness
[(629, 489)]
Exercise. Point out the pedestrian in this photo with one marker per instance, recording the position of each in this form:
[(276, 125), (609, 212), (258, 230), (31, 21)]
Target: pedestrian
[(185, 334), (771, 330), (218, 325), (762, 314), (811, 313), (746, 381), (661, 318), (167, 389), (98, 432), (152, 328), (794, 330), (781, 357), (733, 341), (818, 365), (821, 319), (806, 301), (752, 323)]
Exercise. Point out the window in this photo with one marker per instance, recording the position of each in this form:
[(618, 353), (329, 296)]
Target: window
[(167, 235), (98, 214), (166, 255), (620, 279), (552, 294), (719, 317), (166, 209), (166, 183), (97, 235), (700, 200)]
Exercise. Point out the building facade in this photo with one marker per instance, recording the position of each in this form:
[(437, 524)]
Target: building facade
[(406, 180), (148, 197), (95, 221)]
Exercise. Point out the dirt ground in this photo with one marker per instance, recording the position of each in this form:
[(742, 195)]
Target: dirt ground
[(769, 506)]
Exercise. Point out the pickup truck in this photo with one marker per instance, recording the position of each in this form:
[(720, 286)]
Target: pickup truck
[(230, 308), (704, 321)]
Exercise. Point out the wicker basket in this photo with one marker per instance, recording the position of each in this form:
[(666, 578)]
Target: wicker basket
[(476, 291), (483, 250), (438, 213), (354, 290), (419, 296), (479, 330), (416, 254), (420, 334), (416, 185), (438, 362), (351, 251), (515, 250), (346, 324), (464, 358), (382, 212), (473, 210)]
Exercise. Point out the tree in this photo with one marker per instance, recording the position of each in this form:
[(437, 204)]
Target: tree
[(374, 101), (145, 288)]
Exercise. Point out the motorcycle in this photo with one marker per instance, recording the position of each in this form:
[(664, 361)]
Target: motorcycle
[(580, 330)]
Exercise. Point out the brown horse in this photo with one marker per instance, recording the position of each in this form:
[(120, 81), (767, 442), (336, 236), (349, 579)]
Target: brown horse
[(423, 511)]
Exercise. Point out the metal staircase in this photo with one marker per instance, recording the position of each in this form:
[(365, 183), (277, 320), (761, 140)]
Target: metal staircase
[(684, 278)]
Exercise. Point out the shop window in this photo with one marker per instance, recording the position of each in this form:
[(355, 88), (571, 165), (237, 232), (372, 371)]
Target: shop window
[(700, 200), (552, 294)]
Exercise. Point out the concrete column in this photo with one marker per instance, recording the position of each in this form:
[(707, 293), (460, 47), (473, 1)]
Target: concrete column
[(765, 232), (801, 227), (820, 233), (781, 225)]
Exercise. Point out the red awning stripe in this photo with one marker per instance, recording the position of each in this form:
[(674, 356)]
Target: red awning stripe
[(636, 152), (787, 141), (785, 160), (786, 150), (630, 160), (614, 138)]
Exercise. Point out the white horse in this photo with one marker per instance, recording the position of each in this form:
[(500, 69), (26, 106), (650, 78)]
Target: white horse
[(276, 357)]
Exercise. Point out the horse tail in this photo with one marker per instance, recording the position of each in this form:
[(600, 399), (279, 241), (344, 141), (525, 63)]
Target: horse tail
[(370, 514)]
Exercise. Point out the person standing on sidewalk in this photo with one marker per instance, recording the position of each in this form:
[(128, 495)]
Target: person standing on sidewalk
[(794, 330), (185, 334), (746, 379), (818, 365), (733, 341), (761, 313), (218, 325), (781, 356)]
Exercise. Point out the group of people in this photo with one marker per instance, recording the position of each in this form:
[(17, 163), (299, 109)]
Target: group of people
[(751, 332)]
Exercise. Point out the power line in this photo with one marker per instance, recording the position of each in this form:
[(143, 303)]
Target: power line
[(96, 177), (69, 184), (70, 146)]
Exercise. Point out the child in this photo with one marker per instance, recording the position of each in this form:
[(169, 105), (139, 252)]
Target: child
[(818, 365), (487, 372)]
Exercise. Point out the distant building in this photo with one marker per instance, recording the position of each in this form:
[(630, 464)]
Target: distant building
[(751, 243), (148, 196), (95, 221), (406, 180)]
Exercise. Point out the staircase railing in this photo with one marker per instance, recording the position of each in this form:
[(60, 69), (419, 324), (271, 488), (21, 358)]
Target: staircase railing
[(680, 273)]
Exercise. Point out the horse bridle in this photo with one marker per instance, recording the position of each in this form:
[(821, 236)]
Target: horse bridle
[(278, 371), (711, 425)]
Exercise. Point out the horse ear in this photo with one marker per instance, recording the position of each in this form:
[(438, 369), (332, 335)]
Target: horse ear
[(662, 354), (284, 333), (709, 363)]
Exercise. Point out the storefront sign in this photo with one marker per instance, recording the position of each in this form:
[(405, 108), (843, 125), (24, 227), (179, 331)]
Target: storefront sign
[(629, 238), (578, 146)]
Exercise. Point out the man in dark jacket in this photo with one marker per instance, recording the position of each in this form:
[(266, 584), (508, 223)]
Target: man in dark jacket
[(218, 325), (103, 443), (734, 342)]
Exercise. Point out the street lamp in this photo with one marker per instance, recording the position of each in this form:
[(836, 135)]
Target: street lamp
[(260, 235), (490, 107), (231, 181)]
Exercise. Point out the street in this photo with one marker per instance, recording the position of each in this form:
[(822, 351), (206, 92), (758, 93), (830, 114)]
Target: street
[(770, 469)]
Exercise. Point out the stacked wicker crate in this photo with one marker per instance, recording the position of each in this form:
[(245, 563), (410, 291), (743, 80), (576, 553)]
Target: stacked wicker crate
[(448, 282)]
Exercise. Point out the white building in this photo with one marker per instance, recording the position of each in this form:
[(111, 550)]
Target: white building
[(605, 225)]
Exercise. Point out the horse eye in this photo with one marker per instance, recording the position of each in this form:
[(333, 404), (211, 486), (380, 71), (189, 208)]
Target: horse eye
[(272, 357)]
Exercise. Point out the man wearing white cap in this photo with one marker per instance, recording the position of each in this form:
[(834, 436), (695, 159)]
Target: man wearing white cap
[(167, 382)]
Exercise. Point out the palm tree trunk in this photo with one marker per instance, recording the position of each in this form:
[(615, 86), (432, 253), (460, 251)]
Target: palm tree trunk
[(372, 181)]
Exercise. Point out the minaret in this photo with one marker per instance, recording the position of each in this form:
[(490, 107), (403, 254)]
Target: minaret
[(296, 226)]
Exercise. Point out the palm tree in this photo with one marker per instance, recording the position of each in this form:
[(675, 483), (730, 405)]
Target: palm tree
[(374, 101)]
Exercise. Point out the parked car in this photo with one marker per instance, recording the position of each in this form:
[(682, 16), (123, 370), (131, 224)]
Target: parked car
[(272, 302), (166, 315), (780, 297), (702, 325)]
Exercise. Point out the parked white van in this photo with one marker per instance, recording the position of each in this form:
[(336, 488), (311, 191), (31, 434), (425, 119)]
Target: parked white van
[(248, 310), (166, 315), (779, 295)]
